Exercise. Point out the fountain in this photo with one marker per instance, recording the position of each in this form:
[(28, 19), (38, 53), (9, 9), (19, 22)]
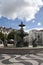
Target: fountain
[(21, 34)]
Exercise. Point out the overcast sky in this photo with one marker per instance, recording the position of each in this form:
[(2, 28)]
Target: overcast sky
[(12, 12)]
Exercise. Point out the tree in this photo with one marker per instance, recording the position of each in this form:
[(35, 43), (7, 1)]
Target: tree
[(11, 35), (3, 37)]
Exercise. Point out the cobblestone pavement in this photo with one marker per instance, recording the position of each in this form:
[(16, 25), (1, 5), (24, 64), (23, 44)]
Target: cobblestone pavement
[(27, 59)]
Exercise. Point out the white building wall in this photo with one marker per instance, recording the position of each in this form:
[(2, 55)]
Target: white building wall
[(42, 37), (31, 37), (34, 34)]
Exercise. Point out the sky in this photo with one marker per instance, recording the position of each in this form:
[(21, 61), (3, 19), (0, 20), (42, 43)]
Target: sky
[(13, 12)]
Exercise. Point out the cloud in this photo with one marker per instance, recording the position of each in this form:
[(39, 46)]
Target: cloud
[(20, 8), (33, 21), (39, 23)]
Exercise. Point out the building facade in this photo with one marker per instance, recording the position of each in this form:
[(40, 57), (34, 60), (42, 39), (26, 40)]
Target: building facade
[(36, 34)]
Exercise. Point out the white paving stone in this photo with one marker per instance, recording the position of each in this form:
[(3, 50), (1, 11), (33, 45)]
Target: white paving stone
[(33, 62), (40, 54), (41, 63), (13, 60), (18, 64), (36, 57), (24, 57), (6, 56), (33, 59)]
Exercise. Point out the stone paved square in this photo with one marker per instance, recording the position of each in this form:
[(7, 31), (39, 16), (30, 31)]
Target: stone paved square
[(27, 59)]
